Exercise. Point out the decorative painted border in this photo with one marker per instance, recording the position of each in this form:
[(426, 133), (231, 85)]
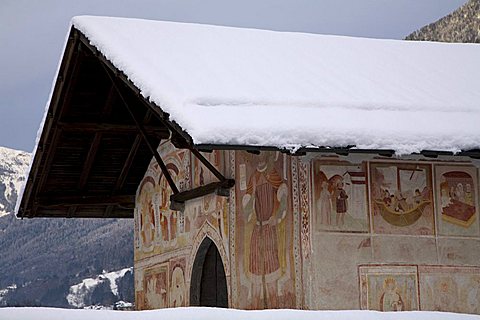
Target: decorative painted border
[(392, 269), (305, 209), (296, 232), (233, 297)]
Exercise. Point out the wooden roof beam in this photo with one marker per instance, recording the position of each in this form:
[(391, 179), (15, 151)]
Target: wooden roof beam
[(62, 95), (128, 163), (180, 138), (85, 200), (143, 133), (177, 201), (88, 164), (208, 165), (113, 127)]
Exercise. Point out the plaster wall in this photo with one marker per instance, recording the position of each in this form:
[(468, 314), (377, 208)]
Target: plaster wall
[(408, 239), (315, 232)]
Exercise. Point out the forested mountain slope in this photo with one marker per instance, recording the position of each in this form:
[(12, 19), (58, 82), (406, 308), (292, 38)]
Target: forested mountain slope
[(462, 25), (43, 258)]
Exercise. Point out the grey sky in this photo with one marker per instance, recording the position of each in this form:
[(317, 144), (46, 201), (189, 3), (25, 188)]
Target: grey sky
[(32, 35)]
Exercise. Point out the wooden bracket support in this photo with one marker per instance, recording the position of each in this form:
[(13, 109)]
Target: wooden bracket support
[(143, 133), (178, 199), (221, 188)]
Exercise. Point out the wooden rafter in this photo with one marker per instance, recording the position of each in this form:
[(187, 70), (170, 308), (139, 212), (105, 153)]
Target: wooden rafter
[(111, 127), (108, 107), (143, 133), (71, 211), (84, 200), (108, 211), (208, 165), (217, 187), (128, 163), (87, 166)]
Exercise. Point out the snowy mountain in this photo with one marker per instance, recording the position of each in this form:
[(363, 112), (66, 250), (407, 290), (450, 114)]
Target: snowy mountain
[(462, 25), (42, 259), (13, 164), (82, 295)]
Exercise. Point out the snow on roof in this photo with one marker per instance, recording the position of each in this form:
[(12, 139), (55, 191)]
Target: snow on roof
[(238, 86)]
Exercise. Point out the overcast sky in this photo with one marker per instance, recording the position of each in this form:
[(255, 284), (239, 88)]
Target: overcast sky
[(32, 35)]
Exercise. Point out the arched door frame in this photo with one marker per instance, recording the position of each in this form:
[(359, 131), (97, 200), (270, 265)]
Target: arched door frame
[(208, 231), (196, 271)]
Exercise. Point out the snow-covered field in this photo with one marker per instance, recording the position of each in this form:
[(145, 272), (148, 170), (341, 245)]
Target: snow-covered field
[(213, 313)]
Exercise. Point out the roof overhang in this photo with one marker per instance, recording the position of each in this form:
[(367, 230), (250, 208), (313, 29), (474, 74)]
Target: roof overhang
[(93, 151), (90, 156)]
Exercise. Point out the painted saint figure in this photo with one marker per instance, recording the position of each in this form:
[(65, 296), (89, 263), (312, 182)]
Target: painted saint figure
[(324, 204), (266, 188), (177, 288), (148, 227), (391, 299), (341, 203)]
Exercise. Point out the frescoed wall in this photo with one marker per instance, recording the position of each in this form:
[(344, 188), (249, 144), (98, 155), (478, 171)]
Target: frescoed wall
[(340, 196), (390, 234), (264, 232), (320, 231), (389, 288), (402, 199), (457, 200), (166, 240)]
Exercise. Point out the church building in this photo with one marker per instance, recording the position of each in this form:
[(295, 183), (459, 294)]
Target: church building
[(268, 169)]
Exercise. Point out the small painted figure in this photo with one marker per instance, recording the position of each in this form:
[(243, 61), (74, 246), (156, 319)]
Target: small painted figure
[(341, 203), (324, 205), (391, 299)]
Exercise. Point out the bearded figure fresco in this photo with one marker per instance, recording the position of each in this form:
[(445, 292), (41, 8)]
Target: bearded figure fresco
[(264, 204)]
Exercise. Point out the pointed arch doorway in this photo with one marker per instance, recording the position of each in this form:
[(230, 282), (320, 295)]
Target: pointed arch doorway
[(208, 286)]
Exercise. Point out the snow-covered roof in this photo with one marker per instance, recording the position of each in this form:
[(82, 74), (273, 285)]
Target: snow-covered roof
[(233, 86)]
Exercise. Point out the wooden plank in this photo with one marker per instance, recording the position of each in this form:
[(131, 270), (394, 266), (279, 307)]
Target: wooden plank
[(44, 171), (128, 163), (131, 156), (61, 97), (142, 132), (203, 190), (108, 212), (159, 132), (207, 164), (82, 200), (107, 109), (71, 211), (87, 167), (180, 138)]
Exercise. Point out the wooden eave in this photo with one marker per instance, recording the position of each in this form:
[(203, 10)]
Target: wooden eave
[(98, 139), (93, 151)]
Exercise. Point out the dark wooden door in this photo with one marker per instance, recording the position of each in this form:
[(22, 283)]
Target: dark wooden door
[(208, 283), (213, 286)]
